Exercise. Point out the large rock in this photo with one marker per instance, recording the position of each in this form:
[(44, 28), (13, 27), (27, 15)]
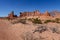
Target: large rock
[(11, 15)]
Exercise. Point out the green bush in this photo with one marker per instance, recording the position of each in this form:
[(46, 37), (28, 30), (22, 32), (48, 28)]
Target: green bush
[(53, 21), (57, 20), (30, 19), (47, 21), (37, 21), (55, 30), (22, 21)]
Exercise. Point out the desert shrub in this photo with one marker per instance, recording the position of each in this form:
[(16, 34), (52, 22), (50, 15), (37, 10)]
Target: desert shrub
[(40, 29), (6, 18), (30, 19), (27, 36), (37, 21), (14, 22), (47, 21), (30, 36), (55, 30), (57, 20), (23, 21), (53, 21)]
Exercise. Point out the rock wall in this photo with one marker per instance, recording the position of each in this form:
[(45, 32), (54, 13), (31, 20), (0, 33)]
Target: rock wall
[(35, 13), (29, 14)]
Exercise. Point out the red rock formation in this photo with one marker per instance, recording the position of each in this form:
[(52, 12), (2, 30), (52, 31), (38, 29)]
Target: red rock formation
[(35, 13), (46, 13), (32, 14), (11, 15)]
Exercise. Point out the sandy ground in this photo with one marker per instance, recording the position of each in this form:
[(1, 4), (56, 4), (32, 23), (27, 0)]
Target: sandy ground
[(10, 31)]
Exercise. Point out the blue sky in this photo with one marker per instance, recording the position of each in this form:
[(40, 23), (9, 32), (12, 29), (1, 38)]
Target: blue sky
[(6, 6)]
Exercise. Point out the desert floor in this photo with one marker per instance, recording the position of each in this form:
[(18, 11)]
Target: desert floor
[(19, 31)]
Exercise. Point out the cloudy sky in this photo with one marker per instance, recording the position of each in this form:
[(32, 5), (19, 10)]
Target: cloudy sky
[(6, 6)]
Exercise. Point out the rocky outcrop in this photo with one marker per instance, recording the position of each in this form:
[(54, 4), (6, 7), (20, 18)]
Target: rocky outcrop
[(11, 15), (46, 13), (35, 13), (24, 14), (29, 14)]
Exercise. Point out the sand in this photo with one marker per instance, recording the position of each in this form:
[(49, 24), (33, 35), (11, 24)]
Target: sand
[(9, 31)]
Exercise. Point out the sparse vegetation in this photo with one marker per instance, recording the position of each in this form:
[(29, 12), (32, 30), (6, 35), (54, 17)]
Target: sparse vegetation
[(57, 20), (30, 19), (23, 21), (40, 29), (47, 21), (27, 36), (54, 21), (30, 36), (55, 30), (37, 21)]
